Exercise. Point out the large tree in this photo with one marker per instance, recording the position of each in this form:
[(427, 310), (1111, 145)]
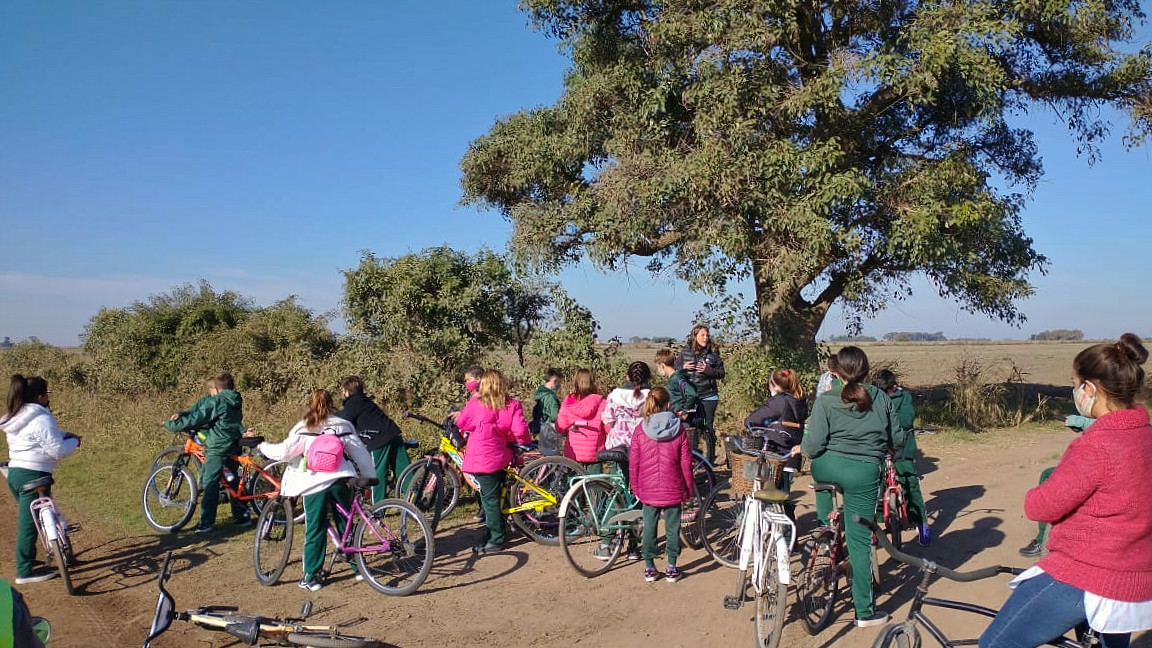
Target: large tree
[(825, 150)]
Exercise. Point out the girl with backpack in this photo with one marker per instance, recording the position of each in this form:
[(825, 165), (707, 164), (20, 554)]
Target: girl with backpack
[(580, 423), (491, 421), (322, 450)]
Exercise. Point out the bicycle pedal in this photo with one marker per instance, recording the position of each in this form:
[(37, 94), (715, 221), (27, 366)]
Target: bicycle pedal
[(733, 603), (72, 528)]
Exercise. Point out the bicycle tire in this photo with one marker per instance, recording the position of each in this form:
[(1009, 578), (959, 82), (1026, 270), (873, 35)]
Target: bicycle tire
[(892, 523), (166, 494), (168, 455), (818, 587), (421, 484), (276, 469), (897, 635), (402, 568), (550, 474), (719, 526), (61, 558), (272, 545), (583, 537), (451, 489), (770, 600), (704, 480), (259, 487), (329, 640)]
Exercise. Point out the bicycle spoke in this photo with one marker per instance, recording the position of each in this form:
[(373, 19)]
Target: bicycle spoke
[(395, 546)]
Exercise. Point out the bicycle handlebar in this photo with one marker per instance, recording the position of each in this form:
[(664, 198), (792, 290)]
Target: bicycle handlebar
[(422, 419), (928, 565), (738, 445)]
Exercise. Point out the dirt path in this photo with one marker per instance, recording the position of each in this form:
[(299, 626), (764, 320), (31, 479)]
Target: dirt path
[(528, 595)]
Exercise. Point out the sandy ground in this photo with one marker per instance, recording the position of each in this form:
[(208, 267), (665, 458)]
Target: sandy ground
[(529, 595)]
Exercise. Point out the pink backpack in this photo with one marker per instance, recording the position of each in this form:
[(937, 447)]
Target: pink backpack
[(325, 452)]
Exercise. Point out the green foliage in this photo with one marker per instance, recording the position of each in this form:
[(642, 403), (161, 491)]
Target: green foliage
[(58, 366), (748, 367), (914, 336), (1074, 335), (827, 151)]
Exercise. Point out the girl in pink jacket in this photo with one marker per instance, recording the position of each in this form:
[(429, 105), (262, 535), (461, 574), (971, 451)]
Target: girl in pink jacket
[(660, 468), (579, 420), (491, 420)]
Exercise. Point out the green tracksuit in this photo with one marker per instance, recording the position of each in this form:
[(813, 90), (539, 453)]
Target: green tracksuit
[(906, 462), (219, 418)]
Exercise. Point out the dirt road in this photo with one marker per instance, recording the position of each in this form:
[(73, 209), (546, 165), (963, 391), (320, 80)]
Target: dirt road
[(528, 595)]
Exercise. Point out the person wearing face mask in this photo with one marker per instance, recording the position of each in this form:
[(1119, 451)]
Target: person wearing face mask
[(1098, 571)]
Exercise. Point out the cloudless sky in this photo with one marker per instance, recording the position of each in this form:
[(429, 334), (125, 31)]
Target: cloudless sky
[(261, 145)]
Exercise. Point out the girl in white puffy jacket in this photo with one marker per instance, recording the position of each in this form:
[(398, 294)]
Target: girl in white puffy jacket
[(35, 444)]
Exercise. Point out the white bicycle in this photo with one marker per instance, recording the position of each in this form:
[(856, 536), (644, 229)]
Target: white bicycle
[(51, 527)]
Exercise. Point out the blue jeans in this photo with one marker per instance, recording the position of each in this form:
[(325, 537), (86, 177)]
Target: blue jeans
[(1040, 610)]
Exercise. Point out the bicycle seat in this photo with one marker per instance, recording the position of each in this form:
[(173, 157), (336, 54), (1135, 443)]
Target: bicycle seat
[(818, 487), (411, 443), (360, 483), (35, 484), (247, 631), (251, 442), (772, 495), (615, 456)]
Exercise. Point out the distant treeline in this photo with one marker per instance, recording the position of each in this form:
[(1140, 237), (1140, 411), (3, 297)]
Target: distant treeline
[(898, 336), (1074, 335), (636, 339)]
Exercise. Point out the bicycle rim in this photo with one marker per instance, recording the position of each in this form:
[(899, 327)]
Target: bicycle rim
[(551, 475), (720, 523), (451, 490), (770, 609), (422, 486), (169, 498), (329, 640), (260, 487), (273, 543), (588, 545), (897, 635), (704, 480), (61, 558), (406, 547), (818, 586)]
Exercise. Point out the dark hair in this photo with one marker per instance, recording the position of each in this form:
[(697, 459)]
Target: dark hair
[(1115, 368), (885, 380), (697, 349), (22, 391), (665, 357), (474, 372), (353, 385), (852, 367), (658, 401), (638, 374), (553, 372), (786, 380), (224, 380)]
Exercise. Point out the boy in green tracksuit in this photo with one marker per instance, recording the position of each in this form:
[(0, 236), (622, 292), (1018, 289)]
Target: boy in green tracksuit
[(905, 462), (679, 386), (547, 405), (219, 417)]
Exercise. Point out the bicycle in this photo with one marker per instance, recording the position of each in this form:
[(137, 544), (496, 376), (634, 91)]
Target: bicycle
[(249, 629), (529, 496), (51, 527), (891, 506), (599, 511), (171, 491), (827, 560), (765, 542), (391, 541), (906, 634)]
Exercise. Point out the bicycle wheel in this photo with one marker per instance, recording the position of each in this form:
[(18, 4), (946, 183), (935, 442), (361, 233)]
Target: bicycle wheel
[(422, 485), (329, 640), (892, 524), (703, 481), (552, 475), (395, 546), (770, 599), (818, 587), (169, 498), (896, 634), (589, 546), (273, 544), (719, 526), (276, 470), (259, 487), (60, 555), (167, 457), (451, 490)]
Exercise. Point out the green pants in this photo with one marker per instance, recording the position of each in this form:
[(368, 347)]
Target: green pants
[(393, 457), (490, 487), (860, 481), (317, 507), (1044, 528), (210, 490), (910, 481), (25, 525), (671, 530)]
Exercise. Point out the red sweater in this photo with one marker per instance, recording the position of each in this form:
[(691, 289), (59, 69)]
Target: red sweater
[(1099, 502)]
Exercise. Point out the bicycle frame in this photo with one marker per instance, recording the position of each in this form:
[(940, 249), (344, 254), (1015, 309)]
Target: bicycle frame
[(891, 486), (248, 469), (615, 519), (355, 515)]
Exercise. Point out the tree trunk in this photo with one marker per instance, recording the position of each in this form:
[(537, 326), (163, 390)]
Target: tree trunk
[(788, 322)]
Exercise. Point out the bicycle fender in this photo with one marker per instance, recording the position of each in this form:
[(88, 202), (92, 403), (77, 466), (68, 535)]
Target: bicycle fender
[(567, 499)]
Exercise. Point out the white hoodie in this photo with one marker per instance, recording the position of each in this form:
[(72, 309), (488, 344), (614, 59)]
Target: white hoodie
[(35, 441), (300, 481)]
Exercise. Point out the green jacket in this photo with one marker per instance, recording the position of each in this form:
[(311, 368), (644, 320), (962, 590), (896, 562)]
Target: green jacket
[(842, 430), (906, 413), (545, 410), (219, 418), (681, 390)]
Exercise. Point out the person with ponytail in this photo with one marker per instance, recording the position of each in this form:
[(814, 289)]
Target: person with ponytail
[(784, 412), (321, 490), (35, 444), (622, 415), (1098, 571), (851, 428)]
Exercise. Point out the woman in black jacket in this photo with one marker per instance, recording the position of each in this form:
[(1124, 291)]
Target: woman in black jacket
[(380, 434), (700, 358)]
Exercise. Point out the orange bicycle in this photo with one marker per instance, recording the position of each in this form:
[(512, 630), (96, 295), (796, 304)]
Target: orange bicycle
[(173, 488)]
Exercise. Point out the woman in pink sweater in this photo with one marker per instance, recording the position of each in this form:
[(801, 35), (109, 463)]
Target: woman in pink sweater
[(1098, 571), (579, 420), (492, 420)]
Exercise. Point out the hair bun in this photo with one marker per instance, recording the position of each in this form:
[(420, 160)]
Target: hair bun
[(1131, 347)]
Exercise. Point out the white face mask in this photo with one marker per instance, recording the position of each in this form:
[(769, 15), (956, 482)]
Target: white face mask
[(1083, 404)]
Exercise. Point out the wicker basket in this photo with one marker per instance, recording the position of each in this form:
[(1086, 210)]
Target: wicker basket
[(746, 468)]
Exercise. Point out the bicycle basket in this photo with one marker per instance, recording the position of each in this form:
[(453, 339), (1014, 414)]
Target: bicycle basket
[(746, 469)]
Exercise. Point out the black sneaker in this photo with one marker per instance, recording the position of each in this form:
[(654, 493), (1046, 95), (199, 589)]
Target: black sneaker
[(877, 618), (1033, 549), (37, 575), (245, 521), (202, 530), (486, 548)]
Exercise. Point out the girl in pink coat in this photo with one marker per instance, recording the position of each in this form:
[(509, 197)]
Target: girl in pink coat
[(579, 420), (491, 420), (660, 468)]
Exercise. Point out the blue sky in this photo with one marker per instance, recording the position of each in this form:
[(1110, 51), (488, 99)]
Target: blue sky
[(261, 145)]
